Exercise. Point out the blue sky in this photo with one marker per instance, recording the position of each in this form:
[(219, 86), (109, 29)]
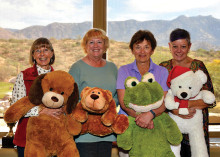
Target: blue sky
[(19, 14)]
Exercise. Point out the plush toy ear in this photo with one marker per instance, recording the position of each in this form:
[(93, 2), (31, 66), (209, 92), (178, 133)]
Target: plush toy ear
[(36, 92), (83, 91), (109, 95), (200, 74), (72, 100)]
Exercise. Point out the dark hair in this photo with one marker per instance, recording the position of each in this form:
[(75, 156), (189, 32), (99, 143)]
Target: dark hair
[(142, 35), (179, 33), (38, 43)]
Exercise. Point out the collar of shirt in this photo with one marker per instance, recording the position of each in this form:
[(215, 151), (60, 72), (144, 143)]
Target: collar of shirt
[(151, 69), (41, 70)]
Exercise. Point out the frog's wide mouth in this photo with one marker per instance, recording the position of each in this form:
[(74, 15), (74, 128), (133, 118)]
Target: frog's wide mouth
[(146, 108)]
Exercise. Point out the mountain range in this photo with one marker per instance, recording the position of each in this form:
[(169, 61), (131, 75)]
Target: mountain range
[(204, 30)]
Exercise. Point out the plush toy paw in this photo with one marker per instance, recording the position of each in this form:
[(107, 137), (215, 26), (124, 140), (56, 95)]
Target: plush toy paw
[(124, 143), (183, 111), (169, 101), (108, 118), (125, 140), (208, 97), (120, 124), (74, 127), (80, 114)]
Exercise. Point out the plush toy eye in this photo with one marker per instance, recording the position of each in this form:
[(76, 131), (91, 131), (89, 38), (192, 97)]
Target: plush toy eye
[(51, 89), (132, 82), (190, 87), (150, 80), (62, 93), (98, 92), (148, 77), (180, 86)]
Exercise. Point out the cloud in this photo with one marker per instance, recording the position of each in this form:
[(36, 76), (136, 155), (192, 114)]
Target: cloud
[(24, 13), (143, 10), (166, 6)]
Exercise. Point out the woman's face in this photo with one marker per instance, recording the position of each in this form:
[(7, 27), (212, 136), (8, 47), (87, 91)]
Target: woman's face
[(179, 49), (42, 57), (142, 51), (95, 47)]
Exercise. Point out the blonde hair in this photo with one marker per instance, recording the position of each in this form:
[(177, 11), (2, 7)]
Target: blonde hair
[(38, 43), (95, 33)]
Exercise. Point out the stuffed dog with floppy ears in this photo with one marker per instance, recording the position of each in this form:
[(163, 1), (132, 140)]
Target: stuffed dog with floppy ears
[(48, 135), (186, 85)]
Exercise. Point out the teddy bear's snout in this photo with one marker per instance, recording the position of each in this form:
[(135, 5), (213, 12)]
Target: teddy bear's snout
[(55, 99), (94, 96), (184, 94)]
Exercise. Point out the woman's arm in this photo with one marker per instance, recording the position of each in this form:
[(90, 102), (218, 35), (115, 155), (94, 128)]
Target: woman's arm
[(52, 112), (121, 93), (197, 104), (19, 90), (207, 86)]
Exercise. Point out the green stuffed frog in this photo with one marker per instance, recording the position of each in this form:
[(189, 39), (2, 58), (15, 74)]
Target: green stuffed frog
[(142, 97)]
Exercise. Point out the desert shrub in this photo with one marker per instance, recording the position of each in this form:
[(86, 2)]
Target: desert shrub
[(5, 72), (4, 88), (214, 71)]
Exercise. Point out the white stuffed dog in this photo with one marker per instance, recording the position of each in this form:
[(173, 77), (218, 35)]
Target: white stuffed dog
[(186, 85)]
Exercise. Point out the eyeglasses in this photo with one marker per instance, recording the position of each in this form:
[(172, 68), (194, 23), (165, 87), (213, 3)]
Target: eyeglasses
[(44, 50)]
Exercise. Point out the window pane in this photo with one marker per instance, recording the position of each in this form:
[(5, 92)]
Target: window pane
[(161, 17), (23, 21)]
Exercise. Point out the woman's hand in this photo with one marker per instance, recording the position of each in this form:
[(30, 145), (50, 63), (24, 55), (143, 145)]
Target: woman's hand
[(52, 112), (145, 120)]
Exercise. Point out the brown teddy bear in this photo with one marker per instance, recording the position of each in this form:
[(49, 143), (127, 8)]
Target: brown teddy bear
[(47, 135), (97, 113)]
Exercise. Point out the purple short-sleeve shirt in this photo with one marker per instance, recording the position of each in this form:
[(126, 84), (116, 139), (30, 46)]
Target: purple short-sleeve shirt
[(160, 73)]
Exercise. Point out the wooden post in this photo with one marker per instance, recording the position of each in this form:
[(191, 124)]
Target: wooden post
[(99, 16)]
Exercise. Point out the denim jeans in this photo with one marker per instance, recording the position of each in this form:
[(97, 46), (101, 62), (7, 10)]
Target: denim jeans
[(20, 151)]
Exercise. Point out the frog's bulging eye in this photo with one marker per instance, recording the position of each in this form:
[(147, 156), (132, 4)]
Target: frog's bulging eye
[(132, 82), (149, 78)]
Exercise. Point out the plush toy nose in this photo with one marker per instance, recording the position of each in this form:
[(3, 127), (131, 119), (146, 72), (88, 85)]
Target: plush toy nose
[(94, 96), (55, 99), (183, 94)]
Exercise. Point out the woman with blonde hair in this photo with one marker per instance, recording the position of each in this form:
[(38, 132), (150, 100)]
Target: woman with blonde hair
[(94, 71)]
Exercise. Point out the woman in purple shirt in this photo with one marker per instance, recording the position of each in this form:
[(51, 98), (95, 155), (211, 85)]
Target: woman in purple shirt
[(142, 46)]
